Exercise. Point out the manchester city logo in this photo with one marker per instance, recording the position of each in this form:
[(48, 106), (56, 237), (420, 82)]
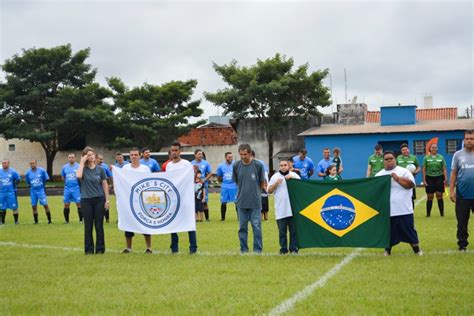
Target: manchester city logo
[(338, 212), (154, 202)]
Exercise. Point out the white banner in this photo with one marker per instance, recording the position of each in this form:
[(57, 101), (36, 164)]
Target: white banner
[(155, 203)]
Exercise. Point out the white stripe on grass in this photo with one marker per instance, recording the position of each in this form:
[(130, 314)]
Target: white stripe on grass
[(288, 304)]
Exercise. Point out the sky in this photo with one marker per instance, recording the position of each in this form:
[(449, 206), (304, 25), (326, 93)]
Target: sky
[(393, 52)]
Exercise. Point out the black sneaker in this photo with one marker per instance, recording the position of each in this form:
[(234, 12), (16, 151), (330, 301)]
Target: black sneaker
[(50, 222), (126, 250), (148, 251), (462, 249)]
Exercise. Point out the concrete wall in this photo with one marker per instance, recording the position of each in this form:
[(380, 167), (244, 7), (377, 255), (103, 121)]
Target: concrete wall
[(26, 150), (351, 114), (355, 149), (252, 131)]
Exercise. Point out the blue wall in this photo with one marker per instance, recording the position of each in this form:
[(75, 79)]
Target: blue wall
[(398, 115), (355, 149)]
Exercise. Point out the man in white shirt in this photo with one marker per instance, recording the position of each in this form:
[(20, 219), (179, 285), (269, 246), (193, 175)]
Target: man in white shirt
[(177, 163), (402, 226), (283, 213), (137, 167)]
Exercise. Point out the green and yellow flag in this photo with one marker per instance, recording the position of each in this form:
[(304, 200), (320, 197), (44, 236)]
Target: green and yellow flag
[(348, 213)]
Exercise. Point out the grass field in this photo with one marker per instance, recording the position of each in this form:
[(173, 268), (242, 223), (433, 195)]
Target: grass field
[(44, 271)]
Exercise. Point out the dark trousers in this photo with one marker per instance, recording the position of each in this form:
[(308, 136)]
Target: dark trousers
[(93, 212), (285, 224), (463, 211), (192, 242)]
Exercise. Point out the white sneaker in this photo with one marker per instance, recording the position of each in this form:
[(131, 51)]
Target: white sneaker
[(386, 253), (419, 253)]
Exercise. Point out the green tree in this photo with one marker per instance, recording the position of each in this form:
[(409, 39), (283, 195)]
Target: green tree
[(272, 92), (153, 115), (50, 97)]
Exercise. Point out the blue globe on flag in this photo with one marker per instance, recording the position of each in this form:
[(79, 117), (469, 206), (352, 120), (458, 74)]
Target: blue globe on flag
[(338, 212)]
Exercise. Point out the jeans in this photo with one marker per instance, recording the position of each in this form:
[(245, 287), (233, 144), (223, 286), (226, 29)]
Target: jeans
[(463, 210), (284, 224), (93, 212), (253, 216), (192, 242)]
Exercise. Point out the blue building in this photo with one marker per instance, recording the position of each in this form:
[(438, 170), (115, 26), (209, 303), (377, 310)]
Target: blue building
[(397, 125)]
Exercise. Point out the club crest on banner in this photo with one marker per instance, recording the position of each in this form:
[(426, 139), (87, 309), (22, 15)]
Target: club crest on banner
[(154, 202)]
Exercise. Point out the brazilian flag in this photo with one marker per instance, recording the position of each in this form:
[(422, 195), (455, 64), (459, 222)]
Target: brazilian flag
[(347, 213)]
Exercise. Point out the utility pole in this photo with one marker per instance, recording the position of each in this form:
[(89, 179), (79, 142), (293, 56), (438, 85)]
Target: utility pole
[(345, 83)]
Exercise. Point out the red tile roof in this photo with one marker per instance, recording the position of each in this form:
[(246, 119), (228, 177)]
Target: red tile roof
[(210, 135), (421, 115)]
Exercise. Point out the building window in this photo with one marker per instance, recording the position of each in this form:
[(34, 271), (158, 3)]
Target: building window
[(453, 145), (419, 147), (11, 147)]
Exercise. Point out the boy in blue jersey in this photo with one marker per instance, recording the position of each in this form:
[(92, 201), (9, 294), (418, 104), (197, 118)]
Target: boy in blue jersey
[(72, 192), (303, 164), (36, 178), (119, 161), (228, 187), (108, 173), (148, 161), (9, 179), (206, 174)]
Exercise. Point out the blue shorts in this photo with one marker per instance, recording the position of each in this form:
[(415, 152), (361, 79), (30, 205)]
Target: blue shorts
[(8, 200), (72, 195), (228, 195), (402, 229), (36, 196)]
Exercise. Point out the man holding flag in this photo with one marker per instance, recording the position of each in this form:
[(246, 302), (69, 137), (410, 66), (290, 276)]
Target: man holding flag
[(402, 227)]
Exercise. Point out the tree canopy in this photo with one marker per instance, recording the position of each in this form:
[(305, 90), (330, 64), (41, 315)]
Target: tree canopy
[(271, 91), (47, 94), (153, 115)]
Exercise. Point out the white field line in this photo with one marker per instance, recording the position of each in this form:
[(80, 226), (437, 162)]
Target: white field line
[(288, 304)]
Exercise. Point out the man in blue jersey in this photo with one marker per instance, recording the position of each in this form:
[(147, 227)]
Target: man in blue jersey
[(148, 161), (324, 163), (100, 162), (9, 179), (72, 192), (228, 187), (206, 174), (119, 161), (36, 178), (303, 164)]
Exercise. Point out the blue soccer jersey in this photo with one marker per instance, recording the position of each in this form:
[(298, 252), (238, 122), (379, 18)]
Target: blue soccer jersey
[(224, 171), (69, 174), (36, 179), (204, 167), (305, 166), (8, 180), (121, 165), (106, 168), (152, 164)]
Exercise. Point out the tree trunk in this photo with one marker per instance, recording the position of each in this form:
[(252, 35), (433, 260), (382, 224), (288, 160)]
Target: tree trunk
[(49, 162), (270, 153)]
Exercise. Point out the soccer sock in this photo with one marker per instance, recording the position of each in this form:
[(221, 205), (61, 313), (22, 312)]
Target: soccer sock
[(66, 214), (223, 210), (35, 216), (416, 249), (106, 215), (48, 215), (79, 213), (3, 214), (15, 216), (429, 205), (206, 213), (441, 207)]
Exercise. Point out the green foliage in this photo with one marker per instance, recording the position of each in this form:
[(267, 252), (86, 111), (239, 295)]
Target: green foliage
[(271, 90), (153, 115), (50, 97)]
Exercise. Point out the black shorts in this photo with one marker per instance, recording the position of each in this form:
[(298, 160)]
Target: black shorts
[(199, 205), (264, 204), (434, 184), (131, 234)]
